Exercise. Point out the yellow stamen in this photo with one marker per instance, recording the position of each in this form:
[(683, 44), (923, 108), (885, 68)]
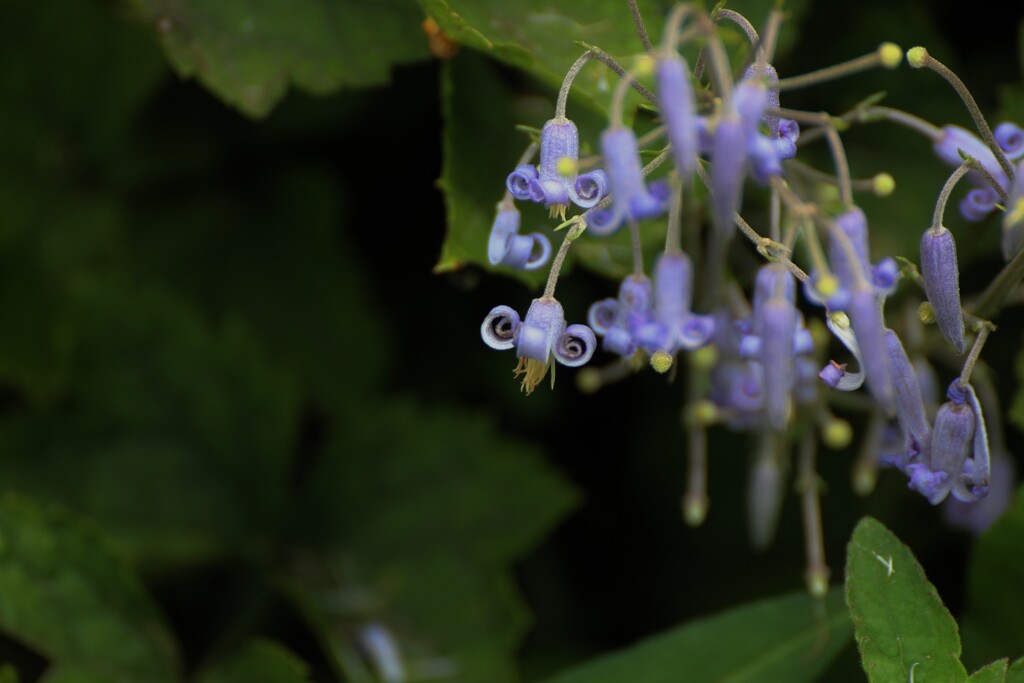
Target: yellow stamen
[(533, 372), (1017, 214), (557, 210)]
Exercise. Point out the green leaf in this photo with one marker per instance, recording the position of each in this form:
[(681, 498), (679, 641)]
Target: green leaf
[(899, 620), (64, 593), (993, 673), (1016, 672), (259, 660), (792, 638), (247, 52), (421, 510), (995, 586), (175, 436)]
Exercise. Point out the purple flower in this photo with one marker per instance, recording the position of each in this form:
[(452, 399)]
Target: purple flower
[(674, 326), (955, 139), (554, 182), (542, 337), (619, 321), (506, 247), (1010, 138), (942, 283), (907, 391), (978, 203), (677, 107), (632, 200), (729, 158)]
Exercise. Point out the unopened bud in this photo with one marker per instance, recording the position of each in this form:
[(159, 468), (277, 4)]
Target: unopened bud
[(884, 185), (925, 313), (695, 509), (704, 412), (917, 57), (661, 362), (837, 433), (827, 285), (890, 54)]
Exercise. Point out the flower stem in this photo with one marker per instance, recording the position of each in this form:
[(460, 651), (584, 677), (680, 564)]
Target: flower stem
[(570, 76), (831, 73), (556, 265), (814, 543), (641, 30), (608, 61), (835, 146), (947, 189), (984, 329)]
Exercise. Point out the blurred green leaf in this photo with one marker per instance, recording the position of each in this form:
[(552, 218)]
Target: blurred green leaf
[(993, 673), (792, 638), (175, 436), (247, 52), (422, 509), (64, 593), (995, 586), (260, 660), (1016, 672), (899, 620), (8, 674)]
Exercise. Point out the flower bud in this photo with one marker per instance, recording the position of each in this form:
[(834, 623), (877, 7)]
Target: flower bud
[(631, 198), (675, 92), (942, 283)]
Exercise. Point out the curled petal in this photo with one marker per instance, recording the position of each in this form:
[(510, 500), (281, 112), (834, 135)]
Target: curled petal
[(942, 283), (500, 327), (590, 188), (696, 331), (834, 374), (518, 181), (506, 225), (540, 252), (548, 192), (604, 222), (885, 275), (978, 203), (866, 320), (1010, 138), (933, 485), (785, 144), (575, 346), (602, 315), (764, 158)]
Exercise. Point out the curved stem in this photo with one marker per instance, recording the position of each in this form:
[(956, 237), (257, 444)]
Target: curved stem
[(947, 189), (608, 61), (831, 73), (979, 344), (556, 266), (570, 76)]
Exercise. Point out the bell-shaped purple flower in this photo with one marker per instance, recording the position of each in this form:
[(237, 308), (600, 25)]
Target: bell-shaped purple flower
[(910, 409), (506, 247), (951, 443), (632, 200), (775, 322), (619, 321), (542, 337), (728, 166), (675, 327), (675, 92), (554, 181), (865, 313), (942, 283)]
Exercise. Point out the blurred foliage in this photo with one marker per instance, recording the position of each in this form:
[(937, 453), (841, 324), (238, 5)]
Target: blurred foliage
[(235, 422)]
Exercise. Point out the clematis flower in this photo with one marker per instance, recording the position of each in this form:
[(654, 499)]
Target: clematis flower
[(942, 283), (955, 139), (675, 327), (632, 199), (910, 410), (506, 247), (775, 324), (675, 92), (539, 339), (619, 320), (555, 182)]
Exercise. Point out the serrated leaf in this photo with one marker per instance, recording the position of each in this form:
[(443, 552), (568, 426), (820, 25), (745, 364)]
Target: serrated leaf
[(792, 639), (995, 588), (899, 620), (64, 593), (259, 660), (993, 673), (248, 52)]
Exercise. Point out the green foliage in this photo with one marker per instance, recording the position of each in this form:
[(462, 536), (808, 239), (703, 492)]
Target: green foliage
[(63, 592), (899, 620), (1016, 672), (993, 673), (424, 509), (247, 52), (995, 588), (792, 638), (259, 660)]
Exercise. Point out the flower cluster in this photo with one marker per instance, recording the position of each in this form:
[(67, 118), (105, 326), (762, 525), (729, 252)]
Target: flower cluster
[(749, 358)]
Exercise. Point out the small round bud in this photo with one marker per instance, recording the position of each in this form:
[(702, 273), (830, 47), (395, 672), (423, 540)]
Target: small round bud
[(884, 185), (837, 433), (890, 54), (817, 582), (828, 194), (917, 57), (926, 313), (695, 509), (827, 285), (588, 380), (566, 167), (705, 357), (644, 66), (703, 413), (865, 475), (661, 362)]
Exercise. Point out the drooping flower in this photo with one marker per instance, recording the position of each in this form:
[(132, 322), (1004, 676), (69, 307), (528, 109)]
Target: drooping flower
[(775, 324), (632, 199), (539, 339), (954, 139), (674, 326), (675, 92), (942, 283), (506, 247), (620, 320), (555, 181), (910, 410)]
